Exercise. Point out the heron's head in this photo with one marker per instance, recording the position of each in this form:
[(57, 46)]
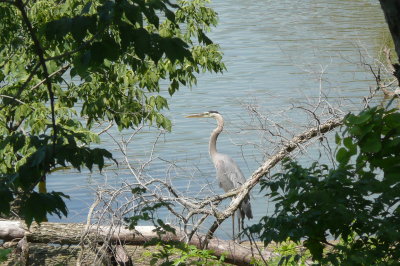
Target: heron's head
[(213, 114)]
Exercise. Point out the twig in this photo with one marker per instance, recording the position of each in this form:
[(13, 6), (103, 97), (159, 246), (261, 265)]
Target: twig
[(89, 217), (60, 70), (12, 98)]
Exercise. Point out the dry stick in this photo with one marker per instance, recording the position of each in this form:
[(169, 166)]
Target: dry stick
[(194, 229), (86, 232), (59, 71), (253, 242), (265, 168), (389, 62), (12, 98)]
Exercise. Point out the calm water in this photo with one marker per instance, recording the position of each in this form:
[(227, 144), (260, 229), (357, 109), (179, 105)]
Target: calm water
[(273, 51)]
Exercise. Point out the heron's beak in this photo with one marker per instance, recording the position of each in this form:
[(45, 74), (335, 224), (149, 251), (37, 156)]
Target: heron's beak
[(195, 115)]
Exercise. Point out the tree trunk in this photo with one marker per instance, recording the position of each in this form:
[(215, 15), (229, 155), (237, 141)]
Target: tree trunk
[(391, 9), (63, 233)]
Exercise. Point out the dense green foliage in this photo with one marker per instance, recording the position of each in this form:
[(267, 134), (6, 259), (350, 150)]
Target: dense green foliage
[(290, 253), (65, 65), (177, 253), (356, 202), (4, 253)]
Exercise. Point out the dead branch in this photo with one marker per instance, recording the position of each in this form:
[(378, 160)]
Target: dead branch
[(244, 190), (61, 233), (186, 207)]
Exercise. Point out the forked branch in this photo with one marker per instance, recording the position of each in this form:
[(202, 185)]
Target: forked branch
[(264, 169)]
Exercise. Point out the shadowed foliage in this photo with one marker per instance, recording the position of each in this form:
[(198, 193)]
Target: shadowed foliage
[(66, 65)]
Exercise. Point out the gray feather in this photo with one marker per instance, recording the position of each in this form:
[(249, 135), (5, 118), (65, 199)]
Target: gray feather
[(230, 177)]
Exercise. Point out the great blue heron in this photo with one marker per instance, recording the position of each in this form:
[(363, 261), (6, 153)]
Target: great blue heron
[(229, 175)]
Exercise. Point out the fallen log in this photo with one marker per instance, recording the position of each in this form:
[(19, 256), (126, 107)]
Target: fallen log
[(71, 234)]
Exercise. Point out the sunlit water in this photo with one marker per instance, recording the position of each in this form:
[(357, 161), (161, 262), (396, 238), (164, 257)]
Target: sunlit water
[(274, 52)]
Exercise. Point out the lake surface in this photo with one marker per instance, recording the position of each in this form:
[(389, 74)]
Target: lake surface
[(274, 52)]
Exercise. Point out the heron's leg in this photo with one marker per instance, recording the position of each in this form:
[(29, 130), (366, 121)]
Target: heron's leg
[(233, 226), (239, 226)]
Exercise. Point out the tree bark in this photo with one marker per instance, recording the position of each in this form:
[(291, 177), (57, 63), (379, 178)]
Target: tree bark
[(122, 257), (64, 233), (391, 9)]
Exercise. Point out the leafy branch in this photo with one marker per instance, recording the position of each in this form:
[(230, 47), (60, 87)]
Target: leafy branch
[(40, 53), (121, 52), (355, 202)]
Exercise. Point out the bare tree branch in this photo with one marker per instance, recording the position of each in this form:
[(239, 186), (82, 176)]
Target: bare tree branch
[(244, 190)]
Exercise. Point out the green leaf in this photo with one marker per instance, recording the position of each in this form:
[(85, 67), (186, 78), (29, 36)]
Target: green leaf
[(166, 227), (350, 145), (362, 118), (141, 38), (86, 8), (348, 142), (81, 25), (169, 14), (138, 190), (4, 254), (58, 29), (371, 143), (343, 156), (6, 197), (114, 52), (37, 205), (392, 120), (132, 12), (176, 49), (315, 247), (338, 139), (39, 156), (106, 12), (151, 16), (356, 130), (202, 37)]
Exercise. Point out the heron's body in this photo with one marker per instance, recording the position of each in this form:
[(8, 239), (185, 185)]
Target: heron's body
[(229, 175)]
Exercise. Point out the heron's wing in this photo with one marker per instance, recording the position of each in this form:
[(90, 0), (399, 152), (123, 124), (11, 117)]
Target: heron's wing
[(228, 174), (223, 175)]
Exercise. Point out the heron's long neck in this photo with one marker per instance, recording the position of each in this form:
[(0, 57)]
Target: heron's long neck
[(214, 136)]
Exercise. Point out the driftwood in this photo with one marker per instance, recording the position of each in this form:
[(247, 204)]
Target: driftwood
[(22, 251), (70, 233)]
